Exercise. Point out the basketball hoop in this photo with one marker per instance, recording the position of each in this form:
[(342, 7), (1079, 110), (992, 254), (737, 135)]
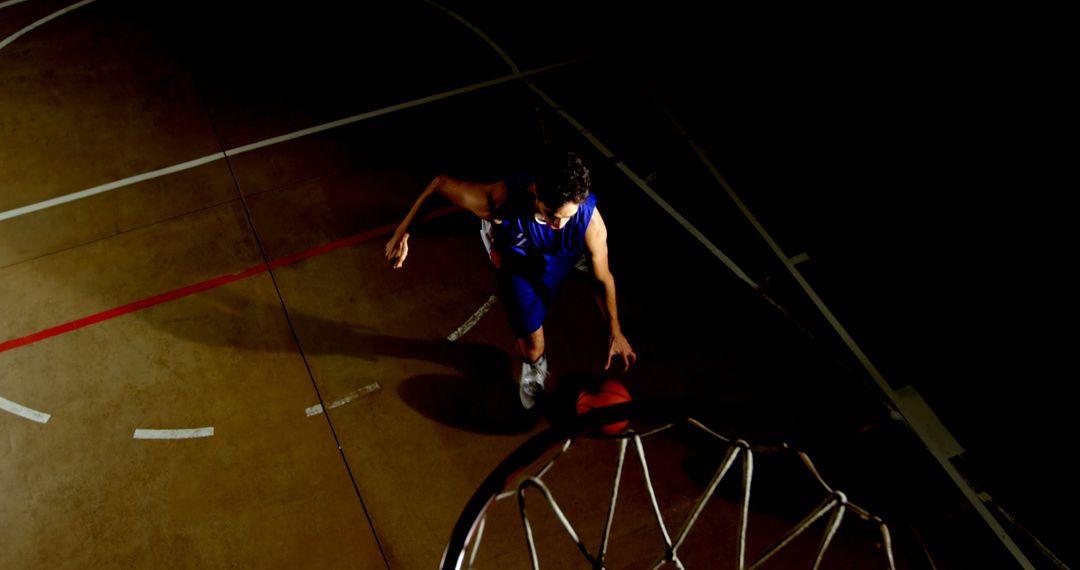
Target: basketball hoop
[(698, 516)]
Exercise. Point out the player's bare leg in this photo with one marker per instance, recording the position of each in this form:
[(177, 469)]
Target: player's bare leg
[(533, 367)]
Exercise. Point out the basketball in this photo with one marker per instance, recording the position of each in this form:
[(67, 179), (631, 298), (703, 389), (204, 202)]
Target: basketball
[(609, 393)]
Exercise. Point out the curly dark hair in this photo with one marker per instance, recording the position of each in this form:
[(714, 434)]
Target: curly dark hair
[(561, 177)]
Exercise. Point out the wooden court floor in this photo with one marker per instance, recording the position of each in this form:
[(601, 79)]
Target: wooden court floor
[(205, 361)]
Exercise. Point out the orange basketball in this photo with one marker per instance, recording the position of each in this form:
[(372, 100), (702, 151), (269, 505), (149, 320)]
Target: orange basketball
[(609, 394)]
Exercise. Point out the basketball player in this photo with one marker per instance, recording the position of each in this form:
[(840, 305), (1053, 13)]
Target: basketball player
[(536, 227)]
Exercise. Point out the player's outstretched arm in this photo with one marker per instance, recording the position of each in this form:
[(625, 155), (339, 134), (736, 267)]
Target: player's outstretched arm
[(476, 197)]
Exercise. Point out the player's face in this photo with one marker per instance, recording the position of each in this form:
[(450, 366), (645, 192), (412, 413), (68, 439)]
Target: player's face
[(557, 217)]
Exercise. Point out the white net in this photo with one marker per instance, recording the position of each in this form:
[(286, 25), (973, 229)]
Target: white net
[(676, 496)]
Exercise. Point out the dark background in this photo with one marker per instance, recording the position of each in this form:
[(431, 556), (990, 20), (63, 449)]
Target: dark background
[(916, 154)]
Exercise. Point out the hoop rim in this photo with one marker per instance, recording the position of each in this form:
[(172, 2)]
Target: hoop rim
[(653, 412)]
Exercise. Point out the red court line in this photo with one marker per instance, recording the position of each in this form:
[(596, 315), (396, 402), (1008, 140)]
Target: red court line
[(208, 284)]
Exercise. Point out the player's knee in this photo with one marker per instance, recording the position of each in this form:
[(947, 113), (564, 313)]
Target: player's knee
[(531, 349)]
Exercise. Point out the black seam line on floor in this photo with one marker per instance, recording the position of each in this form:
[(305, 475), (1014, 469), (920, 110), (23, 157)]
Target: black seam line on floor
[(296, 337), (171, 218), (215, 282), (122, 232), (225, 153)]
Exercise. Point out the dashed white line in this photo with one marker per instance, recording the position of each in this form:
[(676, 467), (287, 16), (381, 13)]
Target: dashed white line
[(318, 408), (22, 411), (473, 319), (174, 433)]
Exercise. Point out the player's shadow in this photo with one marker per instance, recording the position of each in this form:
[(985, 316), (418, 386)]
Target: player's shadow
[(483, 399), (559, 404), (480, 397)]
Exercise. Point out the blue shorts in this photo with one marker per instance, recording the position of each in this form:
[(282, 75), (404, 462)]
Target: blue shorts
[(526, 294), (525, 301)]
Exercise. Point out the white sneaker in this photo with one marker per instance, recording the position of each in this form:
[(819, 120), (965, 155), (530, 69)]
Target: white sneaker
[(532, 381)]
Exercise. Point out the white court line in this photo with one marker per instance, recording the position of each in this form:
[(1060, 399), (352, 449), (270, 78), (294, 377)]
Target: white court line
[(21, 211), (460, 331), (10, 3), (23, 411), (318, 408), (7, 41), (110, 186), (173, 433)]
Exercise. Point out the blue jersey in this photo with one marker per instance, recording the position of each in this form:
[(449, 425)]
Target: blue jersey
[(531, 247)]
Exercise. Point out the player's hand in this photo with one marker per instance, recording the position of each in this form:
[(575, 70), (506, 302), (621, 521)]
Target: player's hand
[(397, 249), (620, 347)]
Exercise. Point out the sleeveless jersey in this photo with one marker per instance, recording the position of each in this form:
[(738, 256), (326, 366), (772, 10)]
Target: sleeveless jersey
[(533, 248)]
